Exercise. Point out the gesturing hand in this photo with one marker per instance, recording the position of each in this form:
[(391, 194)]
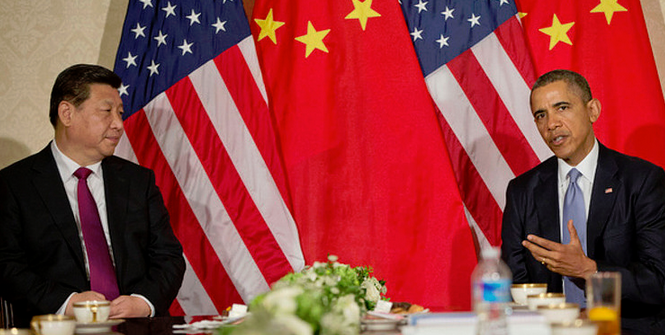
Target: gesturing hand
[(565, 259)]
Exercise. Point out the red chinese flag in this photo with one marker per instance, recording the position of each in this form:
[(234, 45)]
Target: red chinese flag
[(366, 164), (607, 42)]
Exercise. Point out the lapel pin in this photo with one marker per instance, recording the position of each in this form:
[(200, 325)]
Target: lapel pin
[(608, 190)]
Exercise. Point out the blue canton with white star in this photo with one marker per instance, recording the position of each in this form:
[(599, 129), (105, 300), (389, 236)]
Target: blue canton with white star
[(443, 29), (164, 41)]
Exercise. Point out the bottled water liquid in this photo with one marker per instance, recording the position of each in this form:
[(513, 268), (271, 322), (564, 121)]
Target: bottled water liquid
[(490, 281)]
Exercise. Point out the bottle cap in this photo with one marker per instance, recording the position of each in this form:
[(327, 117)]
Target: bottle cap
[(490, 253)]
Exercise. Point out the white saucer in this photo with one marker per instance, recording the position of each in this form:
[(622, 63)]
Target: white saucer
[(97, 327), (380, 324)]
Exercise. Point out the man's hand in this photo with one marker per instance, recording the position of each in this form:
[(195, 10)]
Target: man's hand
[(83, 296), (565, 259), (126, 306)]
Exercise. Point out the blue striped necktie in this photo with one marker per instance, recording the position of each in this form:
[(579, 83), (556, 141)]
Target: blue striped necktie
[(573, 209)]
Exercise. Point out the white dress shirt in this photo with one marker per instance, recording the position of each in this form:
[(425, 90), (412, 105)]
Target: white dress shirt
[(66, 168)]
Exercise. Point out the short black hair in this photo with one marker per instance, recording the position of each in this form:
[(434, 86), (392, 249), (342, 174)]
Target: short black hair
[(574, 80), (73, 85)]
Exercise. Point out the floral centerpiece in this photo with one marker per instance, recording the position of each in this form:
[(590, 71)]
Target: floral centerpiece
[(325, 298)]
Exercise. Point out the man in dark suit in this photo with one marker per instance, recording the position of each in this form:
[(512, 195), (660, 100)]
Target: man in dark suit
[(47, 259), (624, 201)]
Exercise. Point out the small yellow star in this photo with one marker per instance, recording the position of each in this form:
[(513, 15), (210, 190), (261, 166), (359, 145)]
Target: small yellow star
[(362, 11), (608, 7), (522, 14), (268, 27), (557, 32), (313, 39)]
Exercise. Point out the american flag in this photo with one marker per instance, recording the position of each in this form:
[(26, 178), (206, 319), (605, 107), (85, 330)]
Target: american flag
[(478, 70), (196, 113)]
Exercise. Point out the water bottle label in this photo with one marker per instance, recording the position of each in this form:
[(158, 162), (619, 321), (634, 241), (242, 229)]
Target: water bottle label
[(496, 290)]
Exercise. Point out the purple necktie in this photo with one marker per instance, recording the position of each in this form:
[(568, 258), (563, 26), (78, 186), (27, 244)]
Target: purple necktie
[(102, 274), (573, 209)]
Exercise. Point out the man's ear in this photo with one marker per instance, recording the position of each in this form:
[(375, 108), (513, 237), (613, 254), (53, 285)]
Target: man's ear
[(594, 107), (65, 112)]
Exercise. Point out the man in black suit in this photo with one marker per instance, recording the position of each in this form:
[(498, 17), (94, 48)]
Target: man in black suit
[(45, 254), (624, 200)]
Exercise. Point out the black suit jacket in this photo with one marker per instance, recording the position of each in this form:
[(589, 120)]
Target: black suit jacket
[(41, 257), (625, 231)]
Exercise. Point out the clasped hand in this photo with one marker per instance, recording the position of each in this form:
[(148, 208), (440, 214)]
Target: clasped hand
[(124, 306), (564, 259)]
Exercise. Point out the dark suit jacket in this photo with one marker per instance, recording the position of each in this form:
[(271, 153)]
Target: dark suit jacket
[(625, 231), (41, 257)]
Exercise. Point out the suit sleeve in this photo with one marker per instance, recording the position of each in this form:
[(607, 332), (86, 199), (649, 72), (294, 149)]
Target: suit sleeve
[(643, 278), (165, 266), (512, 234), (19, 282)]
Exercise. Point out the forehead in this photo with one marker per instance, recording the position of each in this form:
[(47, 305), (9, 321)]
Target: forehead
[(104, 93), (552, 93)]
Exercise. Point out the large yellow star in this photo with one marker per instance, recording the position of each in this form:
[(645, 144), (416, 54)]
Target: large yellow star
[(362, 11), (557, 32), (313, 39), (608, 7), (268, 27)]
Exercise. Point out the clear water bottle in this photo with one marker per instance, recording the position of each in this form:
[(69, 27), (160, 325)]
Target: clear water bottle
[(490, 283)]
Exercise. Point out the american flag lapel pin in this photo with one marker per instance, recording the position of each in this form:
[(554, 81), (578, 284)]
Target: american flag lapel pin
[(608, 190)]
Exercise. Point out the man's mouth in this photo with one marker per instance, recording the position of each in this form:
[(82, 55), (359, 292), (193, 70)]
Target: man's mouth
[(557, 140)]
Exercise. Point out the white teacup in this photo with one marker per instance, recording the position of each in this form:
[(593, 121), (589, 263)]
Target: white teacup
[(576, 327), (536, 300), (53, 324), (521, 291), (566, 312), (92, 311)]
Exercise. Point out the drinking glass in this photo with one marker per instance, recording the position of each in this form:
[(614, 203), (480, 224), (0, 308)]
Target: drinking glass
[(604, 302)]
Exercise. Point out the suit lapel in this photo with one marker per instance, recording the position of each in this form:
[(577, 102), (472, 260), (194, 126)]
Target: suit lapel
[(49, 185), (547, 204), (116, 188), (603, 196)]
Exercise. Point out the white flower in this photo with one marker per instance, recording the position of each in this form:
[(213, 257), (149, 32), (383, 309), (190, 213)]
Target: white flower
[(282, 300), (372, 286)]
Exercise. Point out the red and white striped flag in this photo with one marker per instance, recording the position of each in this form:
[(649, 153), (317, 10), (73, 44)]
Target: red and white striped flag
[(196, 113)]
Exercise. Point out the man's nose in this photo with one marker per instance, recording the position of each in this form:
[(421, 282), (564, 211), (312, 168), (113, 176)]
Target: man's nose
[(116, 123)]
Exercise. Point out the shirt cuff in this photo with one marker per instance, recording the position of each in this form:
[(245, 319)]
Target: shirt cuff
[(152, 308), (63, 308)]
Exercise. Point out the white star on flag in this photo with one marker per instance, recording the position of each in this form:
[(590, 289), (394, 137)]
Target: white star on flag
[(475, 20), (219, 25), (169, 9), (448, 13), (161, 38), (416, 34), (443, 41), (421, 6), (138, 30), (185, 47), (193, 18), (153, 68), (130, 60)]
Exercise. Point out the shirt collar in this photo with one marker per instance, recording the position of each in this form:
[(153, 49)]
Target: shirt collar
[(67, 166), (587, 167)]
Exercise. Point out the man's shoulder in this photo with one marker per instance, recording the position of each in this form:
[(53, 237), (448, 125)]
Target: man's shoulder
[(537, 174), (627, 165), (24, 166), (124, 166)]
